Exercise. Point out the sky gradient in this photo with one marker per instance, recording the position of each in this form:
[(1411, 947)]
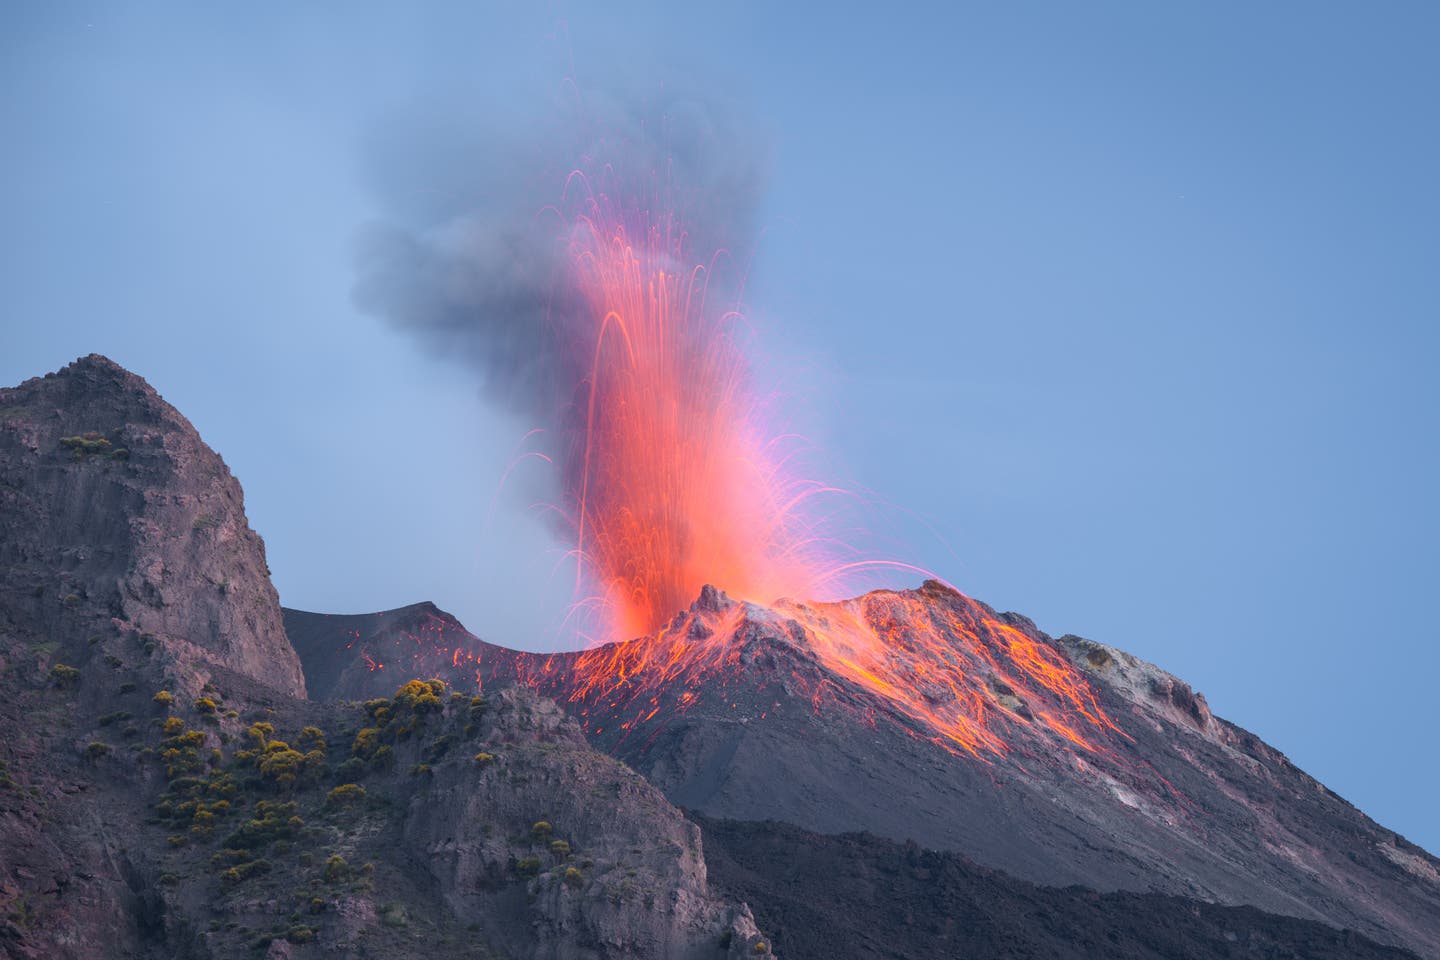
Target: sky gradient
[(1127, 314)]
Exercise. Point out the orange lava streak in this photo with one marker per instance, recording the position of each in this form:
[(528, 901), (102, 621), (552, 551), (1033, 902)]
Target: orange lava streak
[(675, 483)]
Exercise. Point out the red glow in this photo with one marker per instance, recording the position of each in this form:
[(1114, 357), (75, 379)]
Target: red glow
[(935, 661), (674, 478)]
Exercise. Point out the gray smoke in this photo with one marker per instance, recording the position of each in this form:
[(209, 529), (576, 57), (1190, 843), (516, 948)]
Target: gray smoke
[(469, 251)]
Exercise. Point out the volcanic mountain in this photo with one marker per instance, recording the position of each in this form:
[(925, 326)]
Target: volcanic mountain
[(173, 785), (1058, 760)]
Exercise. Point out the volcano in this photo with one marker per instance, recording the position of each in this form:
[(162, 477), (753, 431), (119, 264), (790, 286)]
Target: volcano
[(905, 774), (1060, 761)]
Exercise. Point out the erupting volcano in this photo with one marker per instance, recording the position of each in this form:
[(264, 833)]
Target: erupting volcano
[(671, 479), (674, 477)]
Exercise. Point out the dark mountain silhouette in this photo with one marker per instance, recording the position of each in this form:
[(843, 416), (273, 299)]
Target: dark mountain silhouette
[(856, 895)]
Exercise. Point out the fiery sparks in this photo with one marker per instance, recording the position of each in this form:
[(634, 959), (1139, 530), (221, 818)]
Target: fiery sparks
[(674, 479)]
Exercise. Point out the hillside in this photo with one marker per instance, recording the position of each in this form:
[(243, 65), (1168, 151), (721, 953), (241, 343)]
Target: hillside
[(167, 791)]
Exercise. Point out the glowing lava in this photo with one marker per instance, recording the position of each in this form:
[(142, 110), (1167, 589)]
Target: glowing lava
[(673, 480), (940, 664)]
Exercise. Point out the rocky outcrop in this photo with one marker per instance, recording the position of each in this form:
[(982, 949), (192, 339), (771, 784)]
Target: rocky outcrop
[(615, 870), (166, 790), (113, 509)]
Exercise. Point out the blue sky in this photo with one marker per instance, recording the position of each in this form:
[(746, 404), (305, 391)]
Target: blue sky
[(1127, 311)]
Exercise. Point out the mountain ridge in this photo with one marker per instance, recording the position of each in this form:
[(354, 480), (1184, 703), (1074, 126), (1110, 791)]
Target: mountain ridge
[(1178, 801), (167, 789)]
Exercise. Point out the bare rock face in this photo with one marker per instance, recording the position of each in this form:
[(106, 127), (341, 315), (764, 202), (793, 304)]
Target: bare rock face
[(615, 870), (112, 507), (152, 804)]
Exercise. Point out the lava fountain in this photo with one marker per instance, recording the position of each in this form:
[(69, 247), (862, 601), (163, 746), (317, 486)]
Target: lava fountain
[(674, 478)]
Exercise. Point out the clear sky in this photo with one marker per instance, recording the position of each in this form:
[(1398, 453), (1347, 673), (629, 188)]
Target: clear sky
[(1130, 311)]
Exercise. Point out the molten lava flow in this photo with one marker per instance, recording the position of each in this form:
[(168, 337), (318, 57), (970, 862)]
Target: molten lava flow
[(672, 479)]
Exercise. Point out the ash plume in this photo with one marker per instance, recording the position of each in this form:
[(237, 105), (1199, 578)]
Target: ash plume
[(468, 251)]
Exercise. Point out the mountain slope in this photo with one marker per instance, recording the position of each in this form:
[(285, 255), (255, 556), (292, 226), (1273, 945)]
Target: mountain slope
[(1124, 782), (858, 896), (166, 790)]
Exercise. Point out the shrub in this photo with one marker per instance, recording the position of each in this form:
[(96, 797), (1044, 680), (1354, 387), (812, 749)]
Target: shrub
[(115, 717), (300, 934), (560, 848), (127, 687), (94, 750), (528, 867), (64, 677), (367, 741), (336, 869), (760, 947), (484, 759), (87, 444), (164, 698), (243, 872), (541, 829), (283, 766), (345, 795), (272, 821), (393, 915), (573, 877), (260, 733), (477, 707), (205, 705), (438, 747), (312, 738), (172, 726), (421, 697)]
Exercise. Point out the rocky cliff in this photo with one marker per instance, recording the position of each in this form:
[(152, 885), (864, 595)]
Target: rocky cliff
[(166, 790), (115, 512)]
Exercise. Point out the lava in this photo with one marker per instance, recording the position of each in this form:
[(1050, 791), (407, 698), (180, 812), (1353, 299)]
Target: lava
[(936, 662), (674, 477)]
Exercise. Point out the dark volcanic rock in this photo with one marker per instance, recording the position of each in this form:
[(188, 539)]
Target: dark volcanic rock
[(353, 656), (1175, 801), (858, 896), (113, 509)]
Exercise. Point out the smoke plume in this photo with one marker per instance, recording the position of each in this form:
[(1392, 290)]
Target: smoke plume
[(469, 250)]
